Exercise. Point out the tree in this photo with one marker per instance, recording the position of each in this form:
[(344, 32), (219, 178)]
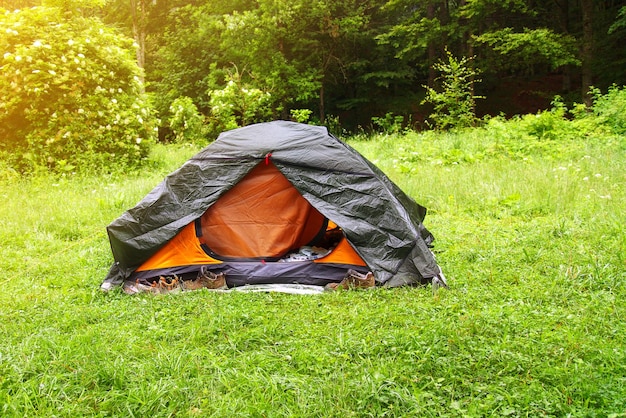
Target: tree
[(454, 100), (71, 93), (297, 51), (358, 58), (587, 50)]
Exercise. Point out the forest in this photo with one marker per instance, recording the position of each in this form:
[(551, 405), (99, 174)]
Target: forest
[(192, 69)]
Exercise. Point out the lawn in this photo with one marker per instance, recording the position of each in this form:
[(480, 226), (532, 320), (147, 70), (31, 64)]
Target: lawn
[(529, 231)]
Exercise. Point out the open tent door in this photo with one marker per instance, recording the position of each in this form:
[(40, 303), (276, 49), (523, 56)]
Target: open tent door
[(263, 218)]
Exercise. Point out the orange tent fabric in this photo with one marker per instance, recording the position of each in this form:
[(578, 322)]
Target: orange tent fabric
[(262, 216), (183, 250), (343, 253)]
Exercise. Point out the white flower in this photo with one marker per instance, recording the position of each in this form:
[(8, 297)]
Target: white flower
[(37, 43), (52, 72), (70, 42), (138, 141), (7, 55)]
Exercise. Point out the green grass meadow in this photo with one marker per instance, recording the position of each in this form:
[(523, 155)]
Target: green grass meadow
[(530, 232)]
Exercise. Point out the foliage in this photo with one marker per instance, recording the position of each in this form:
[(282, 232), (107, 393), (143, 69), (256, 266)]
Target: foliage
[(301, 52), (238, 104), (531, 239), (525, 50), (72, 99), (300, 115), (183, 65), (185, 122), (363, 58), (389, 124), (620, 21), (556, 134), (610, 107), (454, 104)]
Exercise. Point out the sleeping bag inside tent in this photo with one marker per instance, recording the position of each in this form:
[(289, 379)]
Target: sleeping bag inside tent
[(276, 202)]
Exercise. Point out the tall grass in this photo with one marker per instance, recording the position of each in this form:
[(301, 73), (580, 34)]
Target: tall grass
[(531, 236)]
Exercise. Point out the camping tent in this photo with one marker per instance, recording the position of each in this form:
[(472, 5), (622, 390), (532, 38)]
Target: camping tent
[(249, 204)]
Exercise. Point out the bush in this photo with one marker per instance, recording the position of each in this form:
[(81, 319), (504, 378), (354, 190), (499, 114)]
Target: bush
[(186, 121), (454, 101), (300, 115), (72, 95), (238, 104), (611, 108), (389, 124)]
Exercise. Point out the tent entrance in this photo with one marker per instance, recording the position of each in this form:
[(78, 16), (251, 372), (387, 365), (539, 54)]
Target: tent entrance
[(261, 217)]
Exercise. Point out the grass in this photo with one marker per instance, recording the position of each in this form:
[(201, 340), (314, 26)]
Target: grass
[(531, 237)]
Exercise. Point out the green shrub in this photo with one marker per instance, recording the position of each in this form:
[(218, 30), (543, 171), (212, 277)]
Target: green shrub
[(186, 121), (300, 115), (611, 108), (454, 101), (72, 95), (238, 104), (390, 123)]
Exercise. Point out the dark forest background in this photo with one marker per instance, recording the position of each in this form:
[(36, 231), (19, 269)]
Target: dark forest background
[(355, 61)]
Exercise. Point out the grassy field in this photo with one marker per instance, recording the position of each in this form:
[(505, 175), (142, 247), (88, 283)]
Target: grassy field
[(529, 231)]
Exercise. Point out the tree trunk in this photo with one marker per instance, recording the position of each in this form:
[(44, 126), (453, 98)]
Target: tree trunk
[(587, 50), (138, 10)]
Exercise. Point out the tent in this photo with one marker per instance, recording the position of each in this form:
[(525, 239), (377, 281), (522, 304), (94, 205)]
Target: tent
[(277, 202)]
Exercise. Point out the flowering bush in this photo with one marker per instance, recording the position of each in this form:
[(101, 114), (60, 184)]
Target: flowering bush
[(186, 121), (72, 99)]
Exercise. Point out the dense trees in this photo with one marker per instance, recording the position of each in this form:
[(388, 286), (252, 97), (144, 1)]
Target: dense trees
[(241, 61), (358, 59)]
